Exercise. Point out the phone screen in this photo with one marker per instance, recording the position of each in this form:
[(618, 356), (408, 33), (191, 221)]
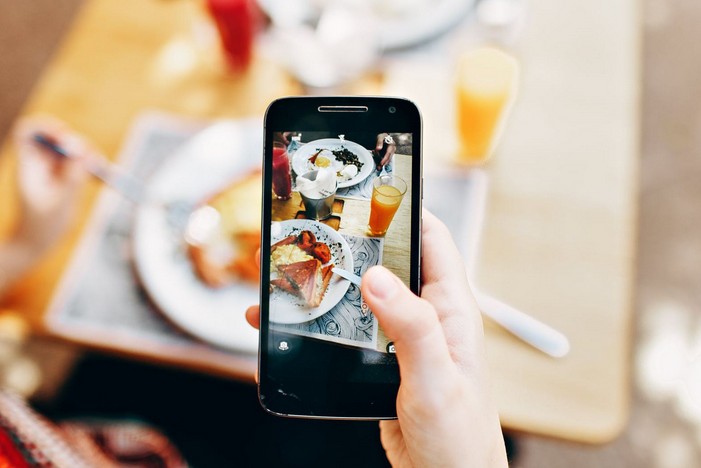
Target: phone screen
[(339, 199)]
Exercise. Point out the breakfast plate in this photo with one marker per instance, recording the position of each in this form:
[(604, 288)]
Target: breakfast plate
[(288, 309), (326, 153), (220, 153)]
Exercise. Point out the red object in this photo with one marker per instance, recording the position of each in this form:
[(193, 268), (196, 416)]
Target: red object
[(282, 181), (236, 22), (10, 452)]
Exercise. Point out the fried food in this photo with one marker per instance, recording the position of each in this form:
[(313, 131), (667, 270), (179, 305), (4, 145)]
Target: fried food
[(298, 262), (228, 253)]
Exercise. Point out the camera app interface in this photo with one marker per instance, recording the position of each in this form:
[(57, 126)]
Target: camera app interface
[(341, 204)]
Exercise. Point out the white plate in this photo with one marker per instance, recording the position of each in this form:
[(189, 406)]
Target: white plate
[(288, 309), (302, 165), (206, 163), (396, 31), (424, 25)]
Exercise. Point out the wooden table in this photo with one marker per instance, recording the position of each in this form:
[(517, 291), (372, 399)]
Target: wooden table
[(560, 228)]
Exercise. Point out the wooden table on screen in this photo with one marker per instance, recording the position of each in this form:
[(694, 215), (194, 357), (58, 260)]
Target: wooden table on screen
[(560, 226)]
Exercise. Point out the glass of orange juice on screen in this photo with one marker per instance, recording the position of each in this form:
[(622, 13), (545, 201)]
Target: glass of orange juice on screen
[(487, 80), (387, 194)]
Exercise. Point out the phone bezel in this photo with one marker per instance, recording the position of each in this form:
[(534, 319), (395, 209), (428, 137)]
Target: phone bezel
[(341, 399)]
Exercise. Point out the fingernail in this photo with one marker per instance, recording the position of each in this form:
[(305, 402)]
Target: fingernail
[(382, 284)]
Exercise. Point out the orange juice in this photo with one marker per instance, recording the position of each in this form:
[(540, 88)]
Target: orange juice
[(486, 87), (387, 195)]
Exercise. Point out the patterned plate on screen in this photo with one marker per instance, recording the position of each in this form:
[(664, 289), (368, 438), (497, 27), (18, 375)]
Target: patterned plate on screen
[(286, 308)]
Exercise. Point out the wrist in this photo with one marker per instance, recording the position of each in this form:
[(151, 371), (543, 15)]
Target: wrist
[(32, 238), (17, 256)]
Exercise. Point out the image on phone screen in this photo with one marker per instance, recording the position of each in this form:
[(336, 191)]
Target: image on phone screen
[(340, 206)]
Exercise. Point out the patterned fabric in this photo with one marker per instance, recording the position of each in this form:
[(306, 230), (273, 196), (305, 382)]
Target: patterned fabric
[(10, 453), (350, 321), (29, 440)]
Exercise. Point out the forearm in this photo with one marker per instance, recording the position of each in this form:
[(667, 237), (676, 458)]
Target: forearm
[(16, 258)]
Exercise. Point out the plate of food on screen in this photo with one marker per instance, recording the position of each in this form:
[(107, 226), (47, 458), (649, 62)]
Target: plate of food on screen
[(350, 161), (303, 286)]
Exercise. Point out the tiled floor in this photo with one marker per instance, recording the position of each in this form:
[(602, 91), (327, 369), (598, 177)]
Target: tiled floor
[(665, 425)]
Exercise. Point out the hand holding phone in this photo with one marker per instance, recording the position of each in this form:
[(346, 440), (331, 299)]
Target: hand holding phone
[(446, 416)]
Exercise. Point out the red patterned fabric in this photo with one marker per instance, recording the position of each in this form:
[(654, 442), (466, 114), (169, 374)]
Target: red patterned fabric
[(29, 440), (10, 455)]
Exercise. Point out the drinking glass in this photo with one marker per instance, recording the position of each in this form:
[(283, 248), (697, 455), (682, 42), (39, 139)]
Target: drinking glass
[(282, 180), (486, 87), (236, 22), (387, 194)]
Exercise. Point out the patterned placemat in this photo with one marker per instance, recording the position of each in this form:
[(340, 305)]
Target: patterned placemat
[(105, 293), (100, 302), (350, 321)]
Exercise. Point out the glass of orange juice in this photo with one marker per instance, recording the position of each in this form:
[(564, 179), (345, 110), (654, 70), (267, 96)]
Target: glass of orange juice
[(486, 87), (387, 194)]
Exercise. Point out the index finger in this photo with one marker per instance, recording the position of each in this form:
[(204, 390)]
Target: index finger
[(253, 316), (380, 141)]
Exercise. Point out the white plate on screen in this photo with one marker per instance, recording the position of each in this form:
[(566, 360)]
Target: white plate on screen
[(288, 309), (210, 160), (301, 163)]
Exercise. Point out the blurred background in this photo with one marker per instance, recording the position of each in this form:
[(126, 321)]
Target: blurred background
[(656, 415)]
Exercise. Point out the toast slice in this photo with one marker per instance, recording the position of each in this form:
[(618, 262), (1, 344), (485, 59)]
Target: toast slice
[(306, 280), (323, 279), (284, 284), (303, 278)]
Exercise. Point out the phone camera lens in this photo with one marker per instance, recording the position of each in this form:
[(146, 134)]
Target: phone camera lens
[(392, 109)]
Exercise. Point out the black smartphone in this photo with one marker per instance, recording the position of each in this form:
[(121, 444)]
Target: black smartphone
[(341, 193)]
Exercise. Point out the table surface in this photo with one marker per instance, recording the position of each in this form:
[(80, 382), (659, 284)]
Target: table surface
[(559, 236)]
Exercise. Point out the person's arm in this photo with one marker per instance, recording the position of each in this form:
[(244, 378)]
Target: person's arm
[(391, 149), (47, 189), (16, 258)]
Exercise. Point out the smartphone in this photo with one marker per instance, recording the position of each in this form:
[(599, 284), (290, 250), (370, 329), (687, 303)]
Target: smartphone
[(332, 209)]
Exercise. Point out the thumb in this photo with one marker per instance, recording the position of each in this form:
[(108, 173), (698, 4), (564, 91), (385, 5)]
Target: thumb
[(411, 323)]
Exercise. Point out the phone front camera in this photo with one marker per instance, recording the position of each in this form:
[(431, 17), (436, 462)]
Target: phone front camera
[(392, 109)]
